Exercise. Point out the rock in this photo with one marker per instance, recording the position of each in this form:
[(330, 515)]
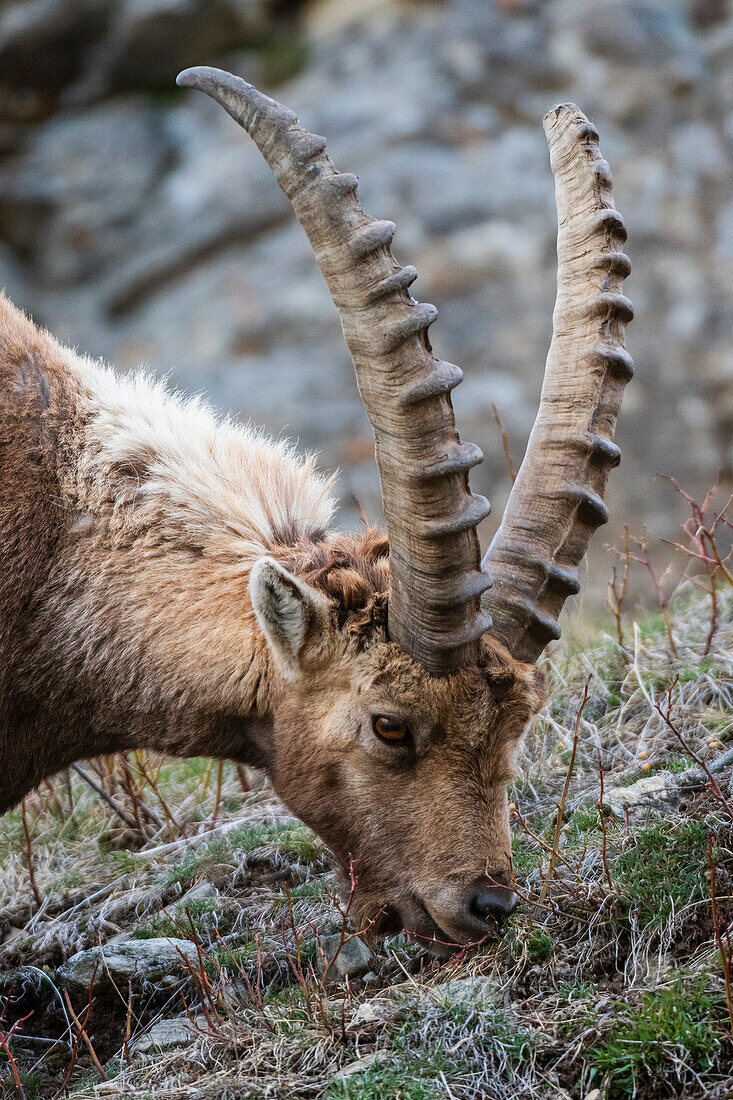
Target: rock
[(168, 1034), (352, 960), (659, 793), (141, 960), (42, 42), (82, 178), (200, 892), (150, 41), (470, 991), (359, 1066), (371, 1013)]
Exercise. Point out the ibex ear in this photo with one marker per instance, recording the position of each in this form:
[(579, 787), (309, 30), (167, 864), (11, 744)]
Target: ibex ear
[(293, 616)]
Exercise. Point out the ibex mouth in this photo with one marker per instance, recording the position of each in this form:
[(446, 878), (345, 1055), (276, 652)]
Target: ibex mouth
[(422, 927)]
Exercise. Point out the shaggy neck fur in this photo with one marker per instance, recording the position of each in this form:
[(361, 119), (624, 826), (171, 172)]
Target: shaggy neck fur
[(129, 520)]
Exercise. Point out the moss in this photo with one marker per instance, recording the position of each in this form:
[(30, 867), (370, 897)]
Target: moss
[(645, 1043)]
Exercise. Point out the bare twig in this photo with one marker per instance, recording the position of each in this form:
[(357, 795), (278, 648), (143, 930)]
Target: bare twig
[(666, 716), (722, 936), (29, 855), (111, 802), (505, 444), (563, 798)]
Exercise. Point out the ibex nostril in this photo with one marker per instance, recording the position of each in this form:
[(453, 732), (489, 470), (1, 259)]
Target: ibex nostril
[(494, 903)]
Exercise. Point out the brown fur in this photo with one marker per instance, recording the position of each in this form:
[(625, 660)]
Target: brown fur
[(131, 616)]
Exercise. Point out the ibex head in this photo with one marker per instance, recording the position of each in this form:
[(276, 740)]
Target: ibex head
[(407, 671)]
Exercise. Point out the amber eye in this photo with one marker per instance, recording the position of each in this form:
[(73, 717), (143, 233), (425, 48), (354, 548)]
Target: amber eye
[(390, 729)]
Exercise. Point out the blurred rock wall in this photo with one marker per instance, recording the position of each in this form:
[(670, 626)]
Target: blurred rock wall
[(139, 223)]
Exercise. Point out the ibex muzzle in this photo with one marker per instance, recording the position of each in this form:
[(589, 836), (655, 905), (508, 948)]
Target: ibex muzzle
[(170, 581)]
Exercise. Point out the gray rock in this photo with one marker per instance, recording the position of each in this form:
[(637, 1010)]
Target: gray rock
[(201, 892), (352, 960), (374, 1013), (361, 1065), (168, 1034), (150, 41), (141, 960), (659, 793), (69, 198), (42, 42), (470, 991)]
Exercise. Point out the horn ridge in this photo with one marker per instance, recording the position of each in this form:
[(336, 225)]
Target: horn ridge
[(434, 610), (557, 499)]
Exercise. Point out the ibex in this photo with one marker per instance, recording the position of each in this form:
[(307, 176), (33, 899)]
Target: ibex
[(171, 582)]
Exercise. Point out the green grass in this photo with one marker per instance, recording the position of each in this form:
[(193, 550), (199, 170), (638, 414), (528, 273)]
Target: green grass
[(583, 824), (644, 1042), (422, 1051), (526, 855), (204, 914), (664, 869), (383, 1081), (540, 946), (292, 840)]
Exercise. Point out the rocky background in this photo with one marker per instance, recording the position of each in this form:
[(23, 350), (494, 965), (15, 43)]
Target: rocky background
[(139, 223)]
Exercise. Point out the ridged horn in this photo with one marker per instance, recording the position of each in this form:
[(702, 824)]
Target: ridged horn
[(557, 499), (436, 580)]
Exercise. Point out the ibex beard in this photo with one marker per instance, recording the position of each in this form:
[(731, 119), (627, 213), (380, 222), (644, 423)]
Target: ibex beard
[(172, 582)]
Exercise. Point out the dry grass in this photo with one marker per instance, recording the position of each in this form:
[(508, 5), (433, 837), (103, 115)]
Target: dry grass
[(612, 975)]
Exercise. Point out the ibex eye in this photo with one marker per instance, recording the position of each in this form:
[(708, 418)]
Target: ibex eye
[(393, 730)]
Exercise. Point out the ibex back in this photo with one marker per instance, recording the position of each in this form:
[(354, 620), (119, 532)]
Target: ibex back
[(171, 582)]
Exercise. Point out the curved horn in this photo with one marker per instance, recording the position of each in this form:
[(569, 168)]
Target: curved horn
[(557, 500), (435, 573)]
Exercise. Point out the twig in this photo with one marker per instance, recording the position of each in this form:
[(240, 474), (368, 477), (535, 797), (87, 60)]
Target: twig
[(617, 591), (111, 802), (82, 1031), (563, 798), (726, 949), (666, 717), (505, 445), (75, 1050), (29, 855), (602, 820), (5, 1044)]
